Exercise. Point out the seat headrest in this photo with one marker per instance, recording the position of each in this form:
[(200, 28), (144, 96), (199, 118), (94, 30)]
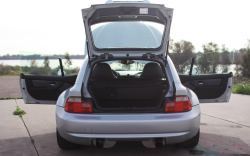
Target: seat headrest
[(152, 71), (102, 70)]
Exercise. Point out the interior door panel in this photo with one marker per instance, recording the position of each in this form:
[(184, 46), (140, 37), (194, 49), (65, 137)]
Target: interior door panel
[(47, 87), (206, 86)]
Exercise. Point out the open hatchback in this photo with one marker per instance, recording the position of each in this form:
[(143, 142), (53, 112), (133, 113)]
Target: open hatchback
[(127, 29), (119, 37)]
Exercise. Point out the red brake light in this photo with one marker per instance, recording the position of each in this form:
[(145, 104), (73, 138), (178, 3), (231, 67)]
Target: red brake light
[(75, 105), (181, 104)]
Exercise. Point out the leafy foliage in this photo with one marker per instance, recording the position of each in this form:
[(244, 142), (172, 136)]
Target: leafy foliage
[(245, 64), (225, 61), (19, 112), (242, 89), (210, 47), (11, 98), (46, 62), (209, 63), (181, 52), (241, 85), (32, 140), (9, 70), (33, 63), (68, 60)]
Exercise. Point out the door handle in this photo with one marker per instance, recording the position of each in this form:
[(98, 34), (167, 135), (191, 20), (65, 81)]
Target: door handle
[(201, 82), (52, 84)]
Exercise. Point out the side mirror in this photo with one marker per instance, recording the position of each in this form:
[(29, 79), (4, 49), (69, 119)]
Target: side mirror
[(59, 72), (195, 71)]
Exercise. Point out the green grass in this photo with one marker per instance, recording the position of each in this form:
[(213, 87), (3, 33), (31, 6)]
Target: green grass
[(241, 88), (11, 98), (19, 112), (32, 140)]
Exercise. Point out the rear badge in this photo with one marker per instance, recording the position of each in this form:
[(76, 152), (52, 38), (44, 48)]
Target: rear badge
[(143, 10)]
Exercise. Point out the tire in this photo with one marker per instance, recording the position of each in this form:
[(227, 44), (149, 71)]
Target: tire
[(191, 142), (65, 144)]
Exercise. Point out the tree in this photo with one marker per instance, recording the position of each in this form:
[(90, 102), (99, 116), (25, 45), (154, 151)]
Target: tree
[(33, 67), (210, 47), (237, 61), (68, 60), (224, 48), (33, 63), (243, 50), (208, 63), (46, 62), (245, 64), (225, 59), (248, 46), (171, 44), (182, 51)]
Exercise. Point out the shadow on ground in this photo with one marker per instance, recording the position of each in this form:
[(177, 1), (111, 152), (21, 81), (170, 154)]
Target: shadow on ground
[(209, 144)]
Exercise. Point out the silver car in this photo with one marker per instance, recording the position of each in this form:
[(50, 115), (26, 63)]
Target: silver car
[(128, 88)]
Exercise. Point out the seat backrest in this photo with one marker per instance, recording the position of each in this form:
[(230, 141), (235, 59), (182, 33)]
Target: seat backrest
[(152, 71), (102, 70)]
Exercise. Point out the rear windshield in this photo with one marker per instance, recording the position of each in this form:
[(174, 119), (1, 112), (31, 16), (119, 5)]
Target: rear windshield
[(127, 65), (127, 34)]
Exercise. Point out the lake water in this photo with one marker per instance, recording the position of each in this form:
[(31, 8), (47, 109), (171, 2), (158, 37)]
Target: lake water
[(53, 62), (75, 63)]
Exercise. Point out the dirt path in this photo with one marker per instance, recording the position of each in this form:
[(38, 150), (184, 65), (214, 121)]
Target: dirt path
[(9, 86)]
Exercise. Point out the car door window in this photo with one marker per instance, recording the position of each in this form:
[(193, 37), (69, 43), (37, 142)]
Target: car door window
[(49, 65), (208, 63), (184, 69)]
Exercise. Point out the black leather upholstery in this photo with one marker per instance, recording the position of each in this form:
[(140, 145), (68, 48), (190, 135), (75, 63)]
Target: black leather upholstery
[(102, 70), (152, 71), (137, 94), (110, 92)]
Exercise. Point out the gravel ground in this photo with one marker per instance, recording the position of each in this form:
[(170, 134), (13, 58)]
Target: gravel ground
[(9, 86)]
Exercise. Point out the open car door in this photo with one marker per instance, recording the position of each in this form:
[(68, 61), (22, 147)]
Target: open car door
[(44, 84), (209, 76)]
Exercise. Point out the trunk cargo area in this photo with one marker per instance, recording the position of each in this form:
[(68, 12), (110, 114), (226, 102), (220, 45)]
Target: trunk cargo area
[(128, 94), (112, 91)]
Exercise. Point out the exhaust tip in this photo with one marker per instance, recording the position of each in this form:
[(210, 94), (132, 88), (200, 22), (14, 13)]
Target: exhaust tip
[(158, 144), (99, 143)]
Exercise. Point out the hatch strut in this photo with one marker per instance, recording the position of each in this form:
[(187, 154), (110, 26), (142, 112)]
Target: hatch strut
[(165, 60), (87, 46)]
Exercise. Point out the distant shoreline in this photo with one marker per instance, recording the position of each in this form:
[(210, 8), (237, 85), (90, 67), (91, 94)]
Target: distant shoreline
[(38, 57), (80, 58), (40, 62)]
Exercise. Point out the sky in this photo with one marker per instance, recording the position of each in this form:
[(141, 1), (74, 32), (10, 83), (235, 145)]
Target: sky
[(56, 26)]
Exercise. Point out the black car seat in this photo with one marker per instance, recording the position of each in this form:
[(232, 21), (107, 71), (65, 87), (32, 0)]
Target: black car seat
[(103, 71), (152, 71)]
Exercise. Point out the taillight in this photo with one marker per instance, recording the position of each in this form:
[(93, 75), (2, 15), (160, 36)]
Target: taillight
[(75, 105), (181, 104)]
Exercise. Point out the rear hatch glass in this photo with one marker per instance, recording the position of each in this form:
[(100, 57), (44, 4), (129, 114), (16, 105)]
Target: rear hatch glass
[(127, 34)]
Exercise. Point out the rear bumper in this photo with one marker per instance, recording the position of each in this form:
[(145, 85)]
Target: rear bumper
[(82, 128)]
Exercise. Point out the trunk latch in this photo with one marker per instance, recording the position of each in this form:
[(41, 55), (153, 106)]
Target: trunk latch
[(106, 56), (148, 55)]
